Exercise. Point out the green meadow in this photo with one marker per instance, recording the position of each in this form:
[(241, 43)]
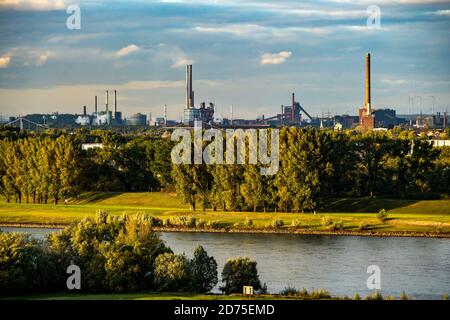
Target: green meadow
[(430, 216)]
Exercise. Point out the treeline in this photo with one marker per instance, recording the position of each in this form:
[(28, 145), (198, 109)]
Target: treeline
[(39, 169), (112, 254), (316, 165), (52, 166)]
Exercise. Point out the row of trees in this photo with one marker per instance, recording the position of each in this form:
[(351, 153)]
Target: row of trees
[(114, 254), (316, 165), (39, 169)]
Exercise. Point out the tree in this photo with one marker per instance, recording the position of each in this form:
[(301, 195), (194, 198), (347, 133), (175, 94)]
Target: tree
[(172, 272), (203, 271), (240, 272)]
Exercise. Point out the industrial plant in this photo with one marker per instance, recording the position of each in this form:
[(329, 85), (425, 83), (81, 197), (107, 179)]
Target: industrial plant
[(291, 114)]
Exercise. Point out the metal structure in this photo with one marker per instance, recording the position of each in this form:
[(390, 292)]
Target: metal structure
[(21, 120)]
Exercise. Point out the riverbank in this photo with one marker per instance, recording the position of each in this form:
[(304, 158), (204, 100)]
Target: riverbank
[(347, 217), (264, 231)]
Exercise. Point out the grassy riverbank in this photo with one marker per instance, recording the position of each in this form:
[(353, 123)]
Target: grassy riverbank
[(405, 217)]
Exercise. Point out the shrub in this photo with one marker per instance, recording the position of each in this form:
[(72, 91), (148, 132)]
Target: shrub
[(320, 294), (115, 253), (172, 272), (236, 224), (201, 223), (239, 272), (26, 265), (167, 222), (363, 226), (404, 296), (356, 296), (382, 215), (203, 271), (375, 296), (303, 293), (337, 225), (277, 223), (191, 222), (445, 296), (296, 223), (248, 222), (214, 224), (289, 291), (326, 221)]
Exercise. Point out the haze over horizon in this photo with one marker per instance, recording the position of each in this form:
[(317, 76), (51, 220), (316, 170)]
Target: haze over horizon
[(249, 54)]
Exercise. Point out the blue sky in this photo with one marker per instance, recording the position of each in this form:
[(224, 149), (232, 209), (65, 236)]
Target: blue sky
[(249, 54)]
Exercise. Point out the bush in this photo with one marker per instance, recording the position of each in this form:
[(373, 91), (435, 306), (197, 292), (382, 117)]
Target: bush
[(404, 296), (240, 272), (172, 272), (382, 215), (167, 223), (363, 226), (375, 296), (320, 294), (201, 223), (248, 222), (356, 296), (337, 225), (214, 224), (277, 223), (203, 271), (296, 223), (326, 221), (289, 291), (191, 222), (27, 266), (115, 253)]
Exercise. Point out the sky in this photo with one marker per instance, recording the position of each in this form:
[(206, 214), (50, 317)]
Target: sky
[(246, 53)]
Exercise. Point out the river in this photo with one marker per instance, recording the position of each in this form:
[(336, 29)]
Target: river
[(419, 266)]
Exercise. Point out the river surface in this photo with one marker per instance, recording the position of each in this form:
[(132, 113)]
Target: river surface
[(418, 266)]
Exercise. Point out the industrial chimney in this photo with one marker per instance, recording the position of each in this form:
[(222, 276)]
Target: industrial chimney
[(115, 102), (84, 111), (107, 101), (368, 102), (293, 107), (96, 105), (189, 92)]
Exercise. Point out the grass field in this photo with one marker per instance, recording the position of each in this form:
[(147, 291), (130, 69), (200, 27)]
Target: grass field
[(404, 215), (141, 296)]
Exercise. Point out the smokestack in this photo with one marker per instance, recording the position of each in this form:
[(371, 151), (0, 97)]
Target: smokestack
[(231, 112), (115, 101), (293, 106), (84, 111), (95, 104), (165, 115), (368, 102), (189, 92), (444, 121), (107, 101)]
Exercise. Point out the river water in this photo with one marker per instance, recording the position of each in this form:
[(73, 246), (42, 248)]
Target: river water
[(418, 266)]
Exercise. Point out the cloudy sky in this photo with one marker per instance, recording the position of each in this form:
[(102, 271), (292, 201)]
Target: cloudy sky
[(246, 53)]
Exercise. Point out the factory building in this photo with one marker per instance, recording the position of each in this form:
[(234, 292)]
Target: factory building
[(204, 114), (137, 119)]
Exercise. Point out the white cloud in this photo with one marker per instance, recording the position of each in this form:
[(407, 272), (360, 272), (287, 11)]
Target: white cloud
[(441, 13), (275, 58), (127, 50), (5, 59), (37, 58), (38, 5)]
